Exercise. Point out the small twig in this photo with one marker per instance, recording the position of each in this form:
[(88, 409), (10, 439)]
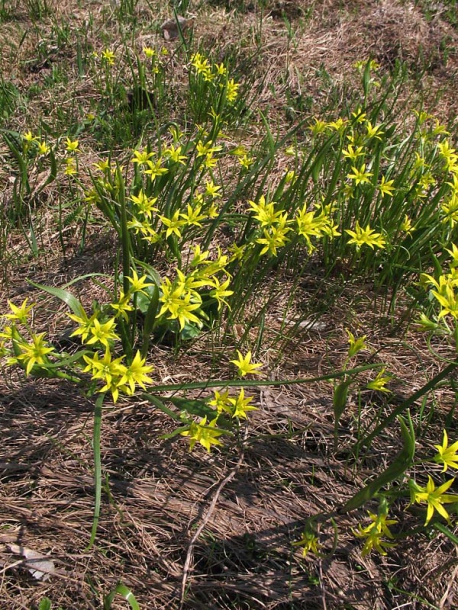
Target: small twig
[(206, 518)]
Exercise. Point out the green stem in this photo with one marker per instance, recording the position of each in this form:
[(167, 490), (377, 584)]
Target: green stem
[(97, 467), (240, 383), (406, 404)]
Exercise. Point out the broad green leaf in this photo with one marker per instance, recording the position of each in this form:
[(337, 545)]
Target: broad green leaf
[(64, 296), (340, 399), (45, 604)]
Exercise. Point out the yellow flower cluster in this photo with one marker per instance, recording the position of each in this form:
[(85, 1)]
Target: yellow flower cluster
[(181, 299)]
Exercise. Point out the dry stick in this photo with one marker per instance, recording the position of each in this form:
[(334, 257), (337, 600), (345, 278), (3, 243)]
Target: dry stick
[(205, 520)]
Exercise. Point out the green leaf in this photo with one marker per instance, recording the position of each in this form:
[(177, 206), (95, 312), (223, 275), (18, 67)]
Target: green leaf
[(444, 529), (97, 468), (402, 462), (126, 593), (45, 604), (150, 319), (195, 407), (340, 400), (64, 296), (189, 331), (160, 405), (176, 432), (150, 271), (366, 78)]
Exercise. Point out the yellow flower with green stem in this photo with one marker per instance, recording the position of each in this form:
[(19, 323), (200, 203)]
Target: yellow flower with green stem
[(142, 157), (210, 161), (108, 370), (380, 382), (43, 148), (274, 237), (71, 145), (448, 302), (219, 264), (194, 215), (374, 131), (28, 137), (212, 189), (199, 257), (244, 364), (448, 153), (200, 64), (35, 352), (373, 533), (137, 373), (265, 212), (85, 325), (406, 226), (203, 433), (178, 304), (356, 345), (447, 454), (435, 497), (155, 169), (70, 167), (310, 224), (221, 402), (108, 56), (338, 125), (353, 153), (367, 236), (174, 224), (174, 154), (103, 333), (192, 282), (220, 291), (144, 204), (360, 176), (231, 90), (318, 127), (386, 187), (241, 405), (21, 313), (138, 284), (122, 306), (359, 115), (309, 542), (206, 149)]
